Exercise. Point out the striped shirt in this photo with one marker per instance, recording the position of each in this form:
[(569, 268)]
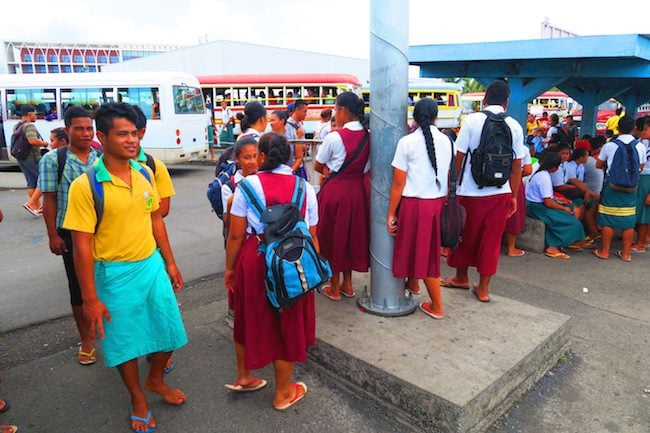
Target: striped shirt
[(47, 177)]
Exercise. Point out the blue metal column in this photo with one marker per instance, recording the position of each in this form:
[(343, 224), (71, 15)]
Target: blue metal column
[(589, 104), (388, 101), (521, 94)]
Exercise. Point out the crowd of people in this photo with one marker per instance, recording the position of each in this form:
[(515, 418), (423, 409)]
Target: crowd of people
[(104, 209)]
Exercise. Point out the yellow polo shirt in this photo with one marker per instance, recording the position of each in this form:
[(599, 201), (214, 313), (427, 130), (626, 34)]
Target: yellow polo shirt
[(124, 233), (163, 179)]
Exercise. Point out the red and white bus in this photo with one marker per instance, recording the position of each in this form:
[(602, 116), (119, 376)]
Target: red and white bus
[(276, 91)]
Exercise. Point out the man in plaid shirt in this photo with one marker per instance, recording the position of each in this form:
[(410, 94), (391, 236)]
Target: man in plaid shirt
[(80, 156)]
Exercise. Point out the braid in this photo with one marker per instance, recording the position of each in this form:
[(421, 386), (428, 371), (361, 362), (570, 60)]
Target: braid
[(431, 149), (425, 113)]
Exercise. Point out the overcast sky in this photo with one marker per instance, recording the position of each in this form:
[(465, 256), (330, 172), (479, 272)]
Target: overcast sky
[(332, 26)]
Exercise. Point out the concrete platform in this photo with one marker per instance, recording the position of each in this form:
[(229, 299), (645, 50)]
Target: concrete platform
[(456, 375)]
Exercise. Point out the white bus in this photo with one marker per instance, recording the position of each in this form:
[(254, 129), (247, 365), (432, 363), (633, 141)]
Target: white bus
[(172, 102)]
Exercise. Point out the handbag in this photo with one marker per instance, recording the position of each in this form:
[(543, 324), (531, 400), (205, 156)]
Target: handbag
[(453, 216)]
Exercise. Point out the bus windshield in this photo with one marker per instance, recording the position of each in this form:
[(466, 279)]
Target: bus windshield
[(188, 100)]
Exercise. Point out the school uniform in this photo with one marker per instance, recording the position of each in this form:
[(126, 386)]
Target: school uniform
[(343, 205), (486, 207), (561, 229), (515, 224), (416, 252), (130, 275), (618, 209), (642, 209), (164, 183), (266, 335)]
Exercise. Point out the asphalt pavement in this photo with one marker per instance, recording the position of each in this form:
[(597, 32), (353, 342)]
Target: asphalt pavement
[(601, 385)]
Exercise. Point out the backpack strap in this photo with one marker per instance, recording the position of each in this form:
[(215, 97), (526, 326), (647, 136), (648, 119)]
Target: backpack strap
[(61, 158), (97, 190), (452, 172), (298, 192), (150, 163), (347, 163), (251, 197)]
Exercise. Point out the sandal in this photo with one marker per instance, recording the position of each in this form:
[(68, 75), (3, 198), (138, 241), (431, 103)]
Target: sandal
[(4, 406), (449, 282), (296, 397), (597, 254), (8, 429), (559, 255), (90, 355), (327, 294), (253, 385), (424, 306), (32, 211), (473, 290), (168, 367), (619, 254), (144, 420)]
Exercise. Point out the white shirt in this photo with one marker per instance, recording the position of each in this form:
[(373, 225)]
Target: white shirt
[(559, 177), (593, 176), (241, 208), (646, 168), (226, 114), (468, 140), (609, 149), (226, 192), (539, 187), (332, 151), (575, 171), (411, 156), (322, 130)]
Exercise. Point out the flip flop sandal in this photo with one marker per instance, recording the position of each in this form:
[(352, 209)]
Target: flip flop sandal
[(449, 282), (168, 368), (519, 254), (619, 254), (144, 420), (597, 254), (473, 290), (425, 310), (347, 295), (253, 385), (32, 211), (559, 255), (413, 292), (90, 355), (327, 294), (9, 429), (296, 398)]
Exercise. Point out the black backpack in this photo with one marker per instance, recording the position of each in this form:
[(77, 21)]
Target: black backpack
[(20, 146), (492, 159)]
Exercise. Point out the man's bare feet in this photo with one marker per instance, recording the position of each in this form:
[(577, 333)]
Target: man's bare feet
[(175, 397)]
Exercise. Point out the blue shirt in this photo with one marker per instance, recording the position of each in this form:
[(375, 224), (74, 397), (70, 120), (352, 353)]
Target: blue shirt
[(47, 177)]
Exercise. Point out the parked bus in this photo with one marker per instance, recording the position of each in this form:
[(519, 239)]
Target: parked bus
[(172, 102), (276, 91), (447, 95)]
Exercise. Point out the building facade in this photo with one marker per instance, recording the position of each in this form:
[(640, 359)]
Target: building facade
[(21, 57)]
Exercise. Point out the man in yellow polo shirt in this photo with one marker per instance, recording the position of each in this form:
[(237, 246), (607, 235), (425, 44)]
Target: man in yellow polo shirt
[(124, 262), (612, 123)]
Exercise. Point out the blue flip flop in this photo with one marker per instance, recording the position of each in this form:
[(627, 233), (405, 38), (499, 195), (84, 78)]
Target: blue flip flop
[(144, 420), (167, 369)]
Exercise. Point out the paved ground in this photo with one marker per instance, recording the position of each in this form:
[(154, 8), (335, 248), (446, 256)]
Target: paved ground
[(599, 387)]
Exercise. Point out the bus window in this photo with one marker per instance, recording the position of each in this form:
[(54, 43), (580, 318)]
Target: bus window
[(440, 98), (330, 94), (44, 100), (90, 98), (276, 96), (259, 94), (312, 95), (144, 97), (188, 100), (239, 95)]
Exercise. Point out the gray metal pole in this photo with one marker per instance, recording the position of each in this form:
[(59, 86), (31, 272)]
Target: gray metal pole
[(389, 21)]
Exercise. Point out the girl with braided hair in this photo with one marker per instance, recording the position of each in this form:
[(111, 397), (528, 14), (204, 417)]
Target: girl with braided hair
[(417, 196), (343, 205)]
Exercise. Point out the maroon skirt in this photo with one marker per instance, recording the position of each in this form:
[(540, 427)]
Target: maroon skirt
[(481, 244), (343, 226), (266, 334), (417, 243), (515, 223)]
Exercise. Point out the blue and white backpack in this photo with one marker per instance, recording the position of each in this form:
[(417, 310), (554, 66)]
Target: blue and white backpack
[(293, 267)]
